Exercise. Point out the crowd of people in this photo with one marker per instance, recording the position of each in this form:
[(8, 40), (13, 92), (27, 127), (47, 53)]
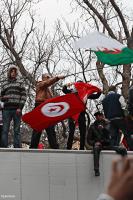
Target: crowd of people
[(104, 133)]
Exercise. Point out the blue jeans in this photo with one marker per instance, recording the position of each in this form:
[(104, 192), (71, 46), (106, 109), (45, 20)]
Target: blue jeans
[(8, 115)]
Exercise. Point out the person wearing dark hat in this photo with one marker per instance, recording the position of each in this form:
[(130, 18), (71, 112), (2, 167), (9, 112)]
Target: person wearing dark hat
[(99, 137), (98, 114)]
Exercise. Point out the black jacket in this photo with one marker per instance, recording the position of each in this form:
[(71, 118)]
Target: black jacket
[(98, 132), (130, 101), (111, 106), (92, 96)]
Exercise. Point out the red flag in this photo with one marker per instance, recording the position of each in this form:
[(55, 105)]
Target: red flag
[(84, 90), (40, 146), (53, 111)]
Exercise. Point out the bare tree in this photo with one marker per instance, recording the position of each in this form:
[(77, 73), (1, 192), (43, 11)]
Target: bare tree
[(109, 17), (25, 43)]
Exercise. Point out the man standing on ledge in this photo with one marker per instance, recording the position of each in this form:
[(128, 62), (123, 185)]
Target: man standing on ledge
[(114, 106), (43, 93), (13, 95)]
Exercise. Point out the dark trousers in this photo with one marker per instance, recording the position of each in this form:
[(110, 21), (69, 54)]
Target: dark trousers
[(97, 149), (0, 134), (129, 140), (51, 137), (129, 132), (82, 129), (115, 126)]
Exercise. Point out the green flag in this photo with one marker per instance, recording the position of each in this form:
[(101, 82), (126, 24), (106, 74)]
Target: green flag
[(108, 50), (118, 57)]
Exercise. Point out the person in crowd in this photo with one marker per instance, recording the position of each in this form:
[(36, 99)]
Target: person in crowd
[(1, 119), (43, 93), (81, 118), (13, 95), (128, 138), (120, 186), (113, 106), (99, 137), (130, 101)]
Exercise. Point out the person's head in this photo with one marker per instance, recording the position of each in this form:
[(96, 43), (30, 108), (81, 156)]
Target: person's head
[(45, 76), (79, 81), (99, 116), (12, 72), (112, 88)]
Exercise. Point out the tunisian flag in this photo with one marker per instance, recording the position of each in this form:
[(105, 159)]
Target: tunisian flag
[(53, 111), (84, 90)]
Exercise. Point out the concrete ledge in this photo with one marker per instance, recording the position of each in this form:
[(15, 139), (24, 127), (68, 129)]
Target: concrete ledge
[(52, 174), (56, 151)]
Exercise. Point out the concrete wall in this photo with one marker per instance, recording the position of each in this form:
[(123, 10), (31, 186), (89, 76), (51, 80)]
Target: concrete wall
[(51, 175)]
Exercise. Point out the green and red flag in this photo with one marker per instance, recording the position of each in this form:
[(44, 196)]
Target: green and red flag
[(115, 56), (108, 50)]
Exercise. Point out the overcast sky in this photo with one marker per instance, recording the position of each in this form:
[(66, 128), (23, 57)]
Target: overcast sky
[(50, 10)]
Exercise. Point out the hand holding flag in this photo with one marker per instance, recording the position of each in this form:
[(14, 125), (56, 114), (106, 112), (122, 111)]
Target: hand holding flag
[(53, 111)]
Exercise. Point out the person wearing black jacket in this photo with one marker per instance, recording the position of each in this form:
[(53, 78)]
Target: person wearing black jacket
[(114, 106), (81, 119), (99, 137), (130, 101)]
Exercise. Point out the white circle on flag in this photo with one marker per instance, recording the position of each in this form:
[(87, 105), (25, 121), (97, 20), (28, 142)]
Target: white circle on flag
[(55, 109)]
